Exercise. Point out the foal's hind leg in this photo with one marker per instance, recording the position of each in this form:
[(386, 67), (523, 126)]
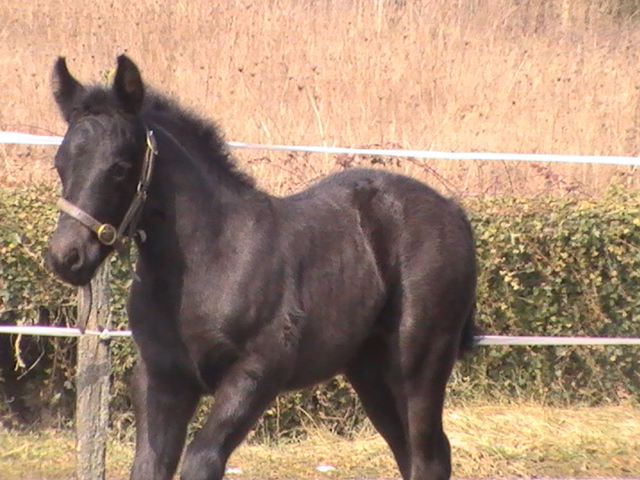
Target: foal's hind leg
[(425, 390), (370, 375), (429, 346)]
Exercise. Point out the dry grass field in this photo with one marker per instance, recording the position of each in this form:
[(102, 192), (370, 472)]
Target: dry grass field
[(498, 441), (484, 75), (521, 76)]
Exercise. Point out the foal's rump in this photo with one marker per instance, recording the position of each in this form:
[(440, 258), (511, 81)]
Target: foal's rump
[(363, 244), (403, 222)]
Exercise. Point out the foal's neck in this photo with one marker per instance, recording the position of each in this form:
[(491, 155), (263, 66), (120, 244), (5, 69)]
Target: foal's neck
[(192, 192)]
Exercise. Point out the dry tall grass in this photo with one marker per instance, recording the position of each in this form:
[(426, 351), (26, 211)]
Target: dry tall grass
[(482, 75)]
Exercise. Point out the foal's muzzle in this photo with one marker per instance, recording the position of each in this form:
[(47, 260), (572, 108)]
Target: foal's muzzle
[(73, 255)]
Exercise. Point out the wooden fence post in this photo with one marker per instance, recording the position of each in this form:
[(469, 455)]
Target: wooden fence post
[(92, 384)]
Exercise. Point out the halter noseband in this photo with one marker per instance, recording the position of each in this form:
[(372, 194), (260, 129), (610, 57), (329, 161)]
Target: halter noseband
[(107, 233)]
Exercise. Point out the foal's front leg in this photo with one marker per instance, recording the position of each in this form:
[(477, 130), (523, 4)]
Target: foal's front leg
[(162, 409), (246, 391)]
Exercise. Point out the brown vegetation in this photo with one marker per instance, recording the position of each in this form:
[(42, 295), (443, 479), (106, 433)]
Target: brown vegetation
[(484, 75)]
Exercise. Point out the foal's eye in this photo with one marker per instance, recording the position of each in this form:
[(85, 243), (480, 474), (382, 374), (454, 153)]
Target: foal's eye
[(119, 170)]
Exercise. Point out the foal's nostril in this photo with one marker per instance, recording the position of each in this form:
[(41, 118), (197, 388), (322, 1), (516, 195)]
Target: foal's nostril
[(74, 259)]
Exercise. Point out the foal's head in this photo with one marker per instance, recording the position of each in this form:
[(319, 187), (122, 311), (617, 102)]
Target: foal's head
[(100, 162)]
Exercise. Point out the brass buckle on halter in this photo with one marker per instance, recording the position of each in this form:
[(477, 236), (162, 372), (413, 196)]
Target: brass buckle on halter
[(107, 234)]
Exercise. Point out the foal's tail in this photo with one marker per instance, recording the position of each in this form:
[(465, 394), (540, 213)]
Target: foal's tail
[(469, 332)]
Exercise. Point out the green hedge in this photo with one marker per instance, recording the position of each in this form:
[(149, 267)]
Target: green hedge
[(558, 267), (547, 267)]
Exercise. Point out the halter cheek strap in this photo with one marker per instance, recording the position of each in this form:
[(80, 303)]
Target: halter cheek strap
[(107, 233)]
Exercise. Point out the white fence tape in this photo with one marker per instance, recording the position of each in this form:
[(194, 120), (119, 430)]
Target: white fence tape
[(557, 341), (62, 332), (428, 154), (29, 139), (482, 340)]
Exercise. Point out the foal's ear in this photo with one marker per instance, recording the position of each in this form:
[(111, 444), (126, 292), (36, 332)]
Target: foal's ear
[(65, 88), (128, 86)]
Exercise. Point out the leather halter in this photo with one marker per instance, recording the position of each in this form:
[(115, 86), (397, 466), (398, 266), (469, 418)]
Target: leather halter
[(107, 233)]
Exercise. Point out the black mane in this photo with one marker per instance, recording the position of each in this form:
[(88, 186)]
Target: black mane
[(202, 136)]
